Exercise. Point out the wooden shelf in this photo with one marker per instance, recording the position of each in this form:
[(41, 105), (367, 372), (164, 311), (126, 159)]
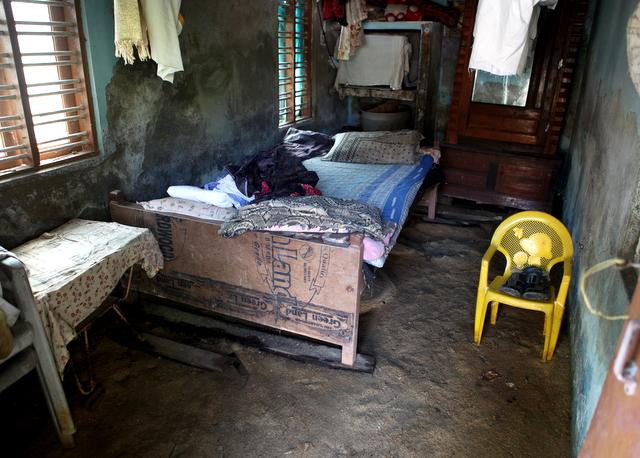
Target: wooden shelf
[(380, 93), (427, 44), (400, 25)]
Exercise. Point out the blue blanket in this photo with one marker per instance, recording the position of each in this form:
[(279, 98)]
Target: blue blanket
[(391, 188)]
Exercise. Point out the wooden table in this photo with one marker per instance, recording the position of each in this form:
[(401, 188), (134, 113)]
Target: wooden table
[(73, 269)]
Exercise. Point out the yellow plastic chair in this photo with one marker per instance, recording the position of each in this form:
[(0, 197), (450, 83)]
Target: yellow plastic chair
[(526, 239)]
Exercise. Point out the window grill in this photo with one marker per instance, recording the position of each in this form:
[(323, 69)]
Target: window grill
[(294, 22), (44, 107)]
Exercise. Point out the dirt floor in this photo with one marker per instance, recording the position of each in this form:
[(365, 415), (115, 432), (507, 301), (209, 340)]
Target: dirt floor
[(433, 393)]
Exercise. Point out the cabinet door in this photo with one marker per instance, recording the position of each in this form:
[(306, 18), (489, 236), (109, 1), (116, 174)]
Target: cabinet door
[(523, 181)]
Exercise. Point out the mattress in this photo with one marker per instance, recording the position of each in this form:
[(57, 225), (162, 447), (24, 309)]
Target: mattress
[(391, 188)]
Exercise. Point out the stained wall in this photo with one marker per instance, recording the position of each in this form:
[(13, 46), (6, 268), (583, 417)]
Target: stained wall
[(601, 202), (154, 134)]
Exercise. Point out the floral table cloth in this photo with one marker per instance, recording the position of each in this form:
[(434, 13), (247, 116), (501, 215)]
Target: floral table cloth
[(74, 268)]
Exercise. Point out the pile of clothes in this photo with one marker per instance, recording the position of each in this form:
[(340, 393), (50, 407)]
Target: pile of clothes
[(274, 172)]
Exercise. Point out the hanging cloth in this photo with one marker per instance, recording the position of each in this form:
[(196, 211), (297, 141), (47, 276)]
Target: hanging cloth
[(352, 35), (152, 27), (335, 9), (164, 26), (633, 47), (130, 32), (501, 34)]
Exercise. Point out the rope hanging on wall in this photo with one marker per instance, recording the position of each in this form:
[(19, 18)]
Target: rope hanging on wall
[(620, 264)]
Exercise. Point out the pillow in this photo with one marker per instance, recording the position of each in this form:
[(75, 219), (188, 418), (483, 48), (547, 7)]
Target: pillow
[(189, 208), (386, 147)]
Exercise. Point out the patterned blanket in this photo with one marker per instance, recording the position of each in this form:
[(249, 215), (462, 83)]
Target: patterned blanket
[(310, 213)]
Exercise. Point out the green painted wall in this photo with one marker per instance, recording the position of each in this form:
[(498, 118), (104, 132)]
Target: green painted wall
[(97, 17)]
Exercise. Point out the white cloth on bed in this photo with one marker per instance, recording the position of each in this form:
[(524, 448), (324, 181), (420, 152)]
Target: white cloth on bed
[(222, 192), (217, 198), (228, 185), (382, 61)]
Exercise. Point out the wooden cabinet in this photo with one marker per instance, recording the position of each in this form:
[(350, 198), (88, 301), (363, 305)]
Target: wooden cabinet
[(499, 178), (503, 132)]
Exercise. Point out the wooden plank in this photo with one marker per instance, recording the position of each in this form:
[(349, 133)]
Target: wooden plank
[(501, 125), (614, 427), (187, 354), (487, 196), (281, 345), (466, 178), (465, 161), (523, 181), (428, 80)]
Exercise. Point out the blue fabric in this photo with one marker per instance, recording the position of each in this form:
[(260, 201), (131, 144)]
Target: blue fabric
[(391, 188)]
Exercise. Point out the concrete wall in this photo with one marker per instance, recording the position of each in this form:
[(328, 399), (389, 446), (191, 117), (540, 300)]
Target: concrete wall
[(602, 202), (154, 134)]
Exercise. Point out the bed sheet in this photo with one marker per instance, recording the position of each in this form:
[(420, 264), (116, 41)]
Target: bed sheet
[(391, 188)]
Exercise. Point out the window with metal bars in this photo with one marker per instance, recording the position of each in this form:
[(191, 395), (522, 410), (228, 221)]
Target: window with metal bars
[(44, 106), (294, 43)]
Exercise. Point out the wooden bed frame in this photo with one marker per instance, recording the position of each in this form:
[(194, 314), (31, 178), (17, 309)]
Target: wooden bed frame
[(305, 287)]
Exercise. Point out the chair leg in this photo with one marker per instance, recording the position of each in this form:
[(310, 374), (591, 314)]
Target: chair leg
[(548, 317), (57, 405), (494, 311), (481, 313), (554, 331)]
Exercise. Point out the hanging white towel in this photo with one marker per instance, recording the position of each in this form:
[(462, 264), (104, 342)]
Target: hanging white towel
[(501, 34), (130, 32), (163, 25), (382, 61)]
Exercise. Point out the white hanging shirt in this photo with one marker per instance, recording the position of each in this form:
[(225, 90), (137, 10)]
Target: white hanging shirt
[(501, 34), (164, 27)]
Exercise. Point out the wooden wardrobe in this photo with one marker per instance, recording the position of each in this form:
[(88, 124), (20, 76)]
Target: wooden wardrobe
[(503, 134)]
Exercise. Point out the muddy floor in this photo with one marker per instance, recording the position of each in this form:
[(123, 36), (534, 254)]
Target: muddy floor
[(433, 392)]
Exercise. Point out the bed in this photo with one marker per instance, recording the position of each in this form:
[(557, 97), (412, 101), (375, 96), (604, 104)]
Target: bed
[(305, 284)]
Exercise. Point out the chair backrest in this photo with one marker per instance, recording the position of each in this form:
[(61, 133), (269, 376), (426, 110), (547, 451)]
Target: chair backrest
[(533, 238)]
